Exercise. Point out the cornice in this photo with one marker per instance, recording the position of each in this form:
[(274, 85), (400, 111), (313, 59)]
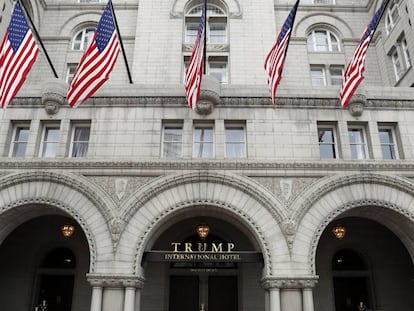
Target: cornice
[(65, 164), (243, 101)]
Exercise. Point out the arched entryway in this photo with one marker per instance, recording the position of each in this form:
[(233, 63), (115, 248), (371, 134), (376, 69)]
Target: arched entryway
[(368, 268), (39, 265), (219, 272)]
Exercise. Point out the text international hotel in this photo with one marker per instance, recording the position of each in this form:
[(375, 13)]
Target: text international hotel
[(197, 171)]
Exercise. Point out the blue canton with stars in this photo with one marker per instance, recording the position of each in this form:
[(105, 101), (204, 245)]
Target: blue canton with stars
[(105, 28), (18, 27)]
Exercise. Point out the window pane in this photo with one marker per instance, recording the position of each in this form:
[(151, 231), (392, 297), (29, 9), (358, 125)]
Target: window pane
[(321, 40), (357, 144), (336, 75), (50, 142), (235, 146), (172, 145), (326, 143), (387, 144), (203, 142), (80, 142), (218, 70), (191, 32), (318, 77), (217, 33), (20, 142)]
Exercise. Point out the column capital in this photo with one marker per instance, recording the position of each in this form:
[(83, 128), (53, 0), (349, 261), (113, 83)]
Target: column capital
[(115, 281), (289, 282)]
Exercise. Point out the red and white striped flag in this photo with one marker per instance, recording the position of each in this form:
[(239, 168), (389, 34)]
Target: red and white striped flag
[(194, 70), (18, 52), (275, 60), (353, 74), (97, 62)]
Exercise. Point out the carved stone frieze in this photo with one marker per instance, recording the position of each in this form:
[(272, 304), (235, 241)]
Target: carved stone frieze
[(120, 187), (116, 281), (289, 282), (286, 189)]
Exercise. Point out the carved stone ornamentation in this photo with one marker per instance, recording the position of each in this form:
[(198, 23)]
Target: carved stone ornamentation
[(291, 283), (209, 95), (116, 281), (53, 95), (356, 105)]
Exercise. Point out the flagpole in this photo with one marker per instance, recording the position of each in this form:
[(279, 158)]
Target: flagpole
[(121, 43), (39, 39), (205, 37)]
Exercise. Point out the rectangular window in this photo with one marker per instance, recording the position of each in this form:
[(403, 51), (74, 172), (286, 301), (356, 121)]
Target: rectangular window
[(172, 140), (327, 141), (388, 142), (235, 140), (406, 53), (336, 74), (71, 68), (217, 68), (357, 143), (318, 76), (217, 33), (19, 140), (396, 64), (191, 30), (50, 141), (80, 140), (203, 141)]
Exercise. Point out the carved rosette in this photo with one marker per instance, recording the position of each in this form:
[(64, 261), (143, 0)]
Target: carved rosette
[(356, 105), (115, 281), (209, 95), (117, 225), (289, 230), (289, 283), (53, 95)]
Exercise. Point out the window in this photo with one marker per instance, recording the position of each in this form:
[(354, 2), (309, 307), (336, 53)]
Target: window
[(191, 30), (327, 141), (217, 68), (406, 53), (392, 16), (19, 140), (80, 140), (203, 141), (321, 40), (70, 71), (357, 143), (217, 33), (318, 76), (396, 63), (50, 141), (172, 143), (82, 38), (336, 75), (235, 140), (387, 141), (317, 1)]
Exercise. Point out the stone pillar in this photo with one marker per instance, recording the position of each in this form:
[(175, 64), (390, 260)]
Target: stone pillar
[(115, 292), (307, 299), (96, 301), (290, 294)]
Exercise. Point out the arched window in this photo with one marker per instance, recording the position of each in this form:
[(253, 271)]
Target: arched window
[(322, 40), (216, 24), (82, 38)]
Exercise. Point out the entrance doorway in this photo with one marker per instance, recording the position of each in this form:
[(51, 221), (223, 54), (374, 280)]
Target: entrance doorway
[(203, 292), (349, 292)]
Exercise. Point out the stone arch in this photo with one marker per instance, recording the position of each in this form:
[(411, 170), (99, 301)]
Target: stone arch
[(233, 6), (76, 22), (243, 199), (309, 21), (337, 195), (33, 194)]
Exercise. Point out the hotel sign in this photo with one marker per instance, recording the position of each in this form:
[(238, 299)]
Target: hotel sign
[(203, 252)]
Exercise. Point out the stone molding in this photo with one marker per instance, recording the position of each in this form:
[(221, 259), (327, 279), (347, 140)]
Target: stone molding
[(116, 281), (139, 248), (358, 203), (289, 282), (180, 101)]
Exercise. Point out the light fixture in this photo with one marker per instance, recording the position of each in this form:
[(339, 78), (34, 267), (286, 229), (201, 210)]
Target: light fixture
[(67, 230), (339, 231), (203, 231)]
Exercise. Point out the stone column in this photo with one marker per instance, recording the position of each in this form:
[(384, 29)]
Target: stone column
[(290, 294), (272, 295), (96, 301), (133, 286)]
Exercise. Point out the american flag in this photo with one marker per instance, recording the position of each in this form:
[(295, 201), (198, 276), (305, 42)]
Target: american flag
[(194, 70), (18, 52), (97, 62), (353, 74), (275, 60)]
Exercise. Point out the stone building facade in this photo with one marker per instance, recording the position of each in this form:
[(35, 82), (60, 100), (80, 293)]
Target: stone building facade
[(135, 172)]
